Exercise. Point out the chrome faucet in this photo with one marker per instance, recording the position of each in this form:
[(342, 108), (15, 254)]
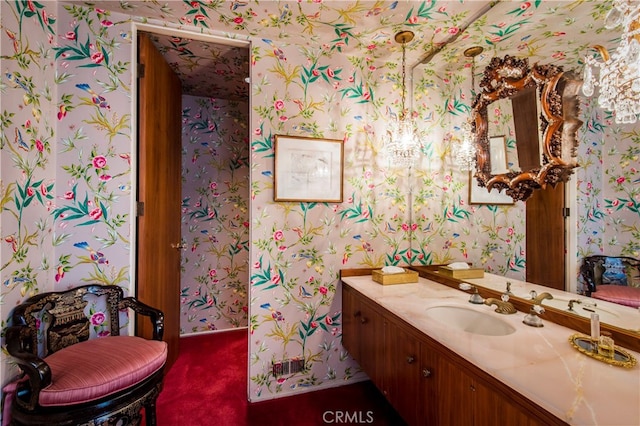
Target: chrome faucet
[(502, 306)]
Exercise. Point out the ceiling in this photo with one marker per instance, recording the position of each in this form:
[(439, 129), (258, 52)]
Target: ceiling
[(559, 32)]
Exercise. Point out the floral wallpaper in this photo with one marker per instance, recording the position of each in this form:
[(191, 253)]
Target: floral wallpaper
[(320, 69), (215, 214)]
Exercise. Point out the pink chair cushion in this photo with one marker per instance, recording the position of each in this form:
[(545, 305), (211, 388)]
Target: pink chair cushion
[(622, 295), (99, 367)]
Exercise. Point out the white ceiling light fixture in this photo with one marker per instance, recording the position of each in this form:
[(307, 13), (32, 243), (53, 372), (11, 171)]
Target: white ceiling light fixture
[(465, 152), (619, 78), (403, 145)]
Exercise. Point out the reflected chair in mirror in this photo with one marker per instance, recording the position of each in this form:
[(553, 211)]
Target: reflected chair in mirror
[(75, 366), (612, 278)]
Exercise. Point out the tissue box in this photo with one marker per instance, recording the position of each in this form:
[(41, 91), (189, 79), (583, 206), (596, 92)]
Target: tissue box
[(400, 278), (461, 273)]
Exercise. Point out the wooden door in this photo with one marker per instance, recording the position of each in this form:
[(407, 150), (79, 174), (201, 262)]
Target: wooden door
[(159, 191), (546, 237)]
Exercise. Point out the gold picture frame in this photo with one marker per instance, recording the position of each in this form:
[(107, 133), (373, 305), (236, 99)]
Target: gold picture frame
[(308, 169)]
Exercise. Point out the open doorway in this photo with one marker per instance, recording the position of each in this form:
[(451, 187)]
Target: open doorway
[(214, 191)]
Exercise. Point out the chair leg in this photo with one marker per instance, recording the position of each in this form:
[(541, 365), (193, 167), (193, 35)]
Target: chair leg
[(150, 413)]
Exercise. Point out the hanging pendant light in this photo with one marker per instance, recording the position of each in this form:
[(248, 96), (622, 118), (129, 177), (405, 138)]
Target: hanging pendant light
[(403, 145), (465, 152), (619, 78)]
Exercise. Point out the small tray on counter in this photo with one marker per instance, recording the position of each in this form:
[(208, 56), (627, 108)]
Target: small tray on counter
[(585, 345)]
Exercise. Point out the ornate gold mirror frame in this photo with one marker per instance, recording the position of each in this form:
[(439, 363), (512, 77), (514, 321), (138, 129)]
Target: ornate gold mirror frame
[(558, 123)]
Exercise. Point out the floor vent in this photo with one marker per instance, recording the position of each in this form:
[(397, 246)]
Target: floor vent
[(289, 366)]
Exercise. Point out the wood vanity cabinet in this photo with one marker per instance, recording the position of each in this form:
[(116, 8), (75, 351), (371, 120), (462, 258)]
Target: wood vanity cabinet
[(427, 383)]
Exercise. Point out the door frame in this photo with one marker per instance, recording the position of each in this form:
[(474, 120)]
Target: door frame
[(571, 237), (193, 35)]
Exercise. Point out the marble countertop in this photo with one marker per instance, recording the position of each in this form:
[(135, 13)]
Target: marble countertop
[(540, 363)]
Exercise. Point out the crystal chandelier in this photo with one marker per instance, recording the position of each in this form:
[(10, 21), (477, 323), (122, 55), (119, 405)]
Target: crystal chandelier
[(465, 153), (403, 145), (619, 78)]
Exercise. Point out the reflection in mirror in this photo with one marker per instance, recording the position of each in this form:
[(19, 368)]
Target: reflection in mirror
[(537, 110), (622, 321)]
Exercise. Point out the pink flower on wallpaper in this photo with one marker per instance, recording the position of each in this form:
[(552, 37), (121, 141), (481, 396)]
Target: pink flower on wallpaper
[(413, 20), (279, 104), (99, 162), (213, 272), (95, 214), (62, 112), (69, 195), (30, 191), (106, 23), (620, 180), (323, 290), (328, 320), (59, 274), (97, 57), (238, 20), (278, 235), (39, 145)]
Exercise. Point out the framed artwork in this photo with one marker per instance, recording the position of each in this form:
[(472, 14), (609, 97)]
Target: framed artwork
[(498, 150), (308, 169), (480, 195)]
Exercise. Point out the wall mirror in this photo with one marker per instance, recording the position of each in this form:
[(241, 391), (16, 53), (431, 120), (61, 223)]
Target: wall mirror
[(536, 109)]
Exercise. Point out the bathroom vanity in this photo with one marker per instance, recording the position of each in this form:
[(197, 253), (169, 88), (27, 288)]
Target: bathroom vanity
[(409, 341)]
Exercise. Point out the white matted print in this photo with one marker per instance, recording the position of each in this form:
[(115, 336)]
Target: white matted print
[(480, 195), (308, 169)]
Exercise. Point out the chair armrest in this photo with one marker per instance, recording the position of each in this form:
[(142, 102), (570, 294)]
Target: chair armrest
[(35, 368), (156, 315)]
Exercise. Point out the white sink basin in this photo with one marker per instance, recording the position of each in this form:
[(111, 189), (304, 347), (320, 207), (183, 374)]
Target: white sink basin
[(470, 320)]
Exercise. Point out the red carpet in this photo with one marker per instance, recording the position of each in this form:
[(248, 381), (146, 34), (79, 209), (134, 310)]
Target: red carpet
[(208, 386)]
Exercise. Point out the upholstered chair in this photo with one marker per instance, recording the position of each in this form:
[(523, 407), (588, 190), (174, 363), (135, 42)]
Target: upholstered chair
[(612, 278), (76, 367)]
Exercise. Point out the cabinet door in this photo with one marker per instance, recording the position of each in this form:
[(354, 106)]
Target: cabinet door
[(490, 405), (372, 345), (454, 391), (350, 322), (428, 385), (401, 382)]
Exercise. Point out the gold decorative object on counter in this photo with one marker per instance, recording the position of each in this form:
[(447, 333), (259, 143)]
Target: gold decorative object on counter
[(461, 273), (585, 345), (399, 278)]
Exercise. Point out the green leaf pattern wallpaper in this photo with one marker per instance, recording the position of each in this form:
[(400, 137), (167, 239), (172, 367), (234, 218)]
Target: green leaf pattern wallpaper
[(318, 68)]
